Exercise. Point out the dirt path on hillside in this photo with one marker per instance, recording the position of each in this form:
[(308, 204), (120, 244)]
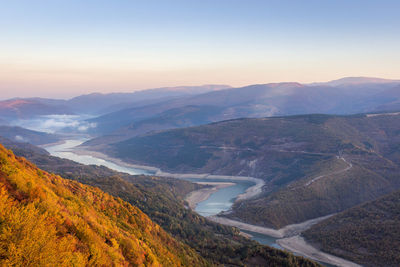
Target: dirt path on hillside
[(349, 166)]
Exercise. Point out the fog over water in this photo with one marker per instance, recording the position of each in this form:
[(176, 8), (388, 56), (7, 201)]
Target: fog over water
[(76, 124)]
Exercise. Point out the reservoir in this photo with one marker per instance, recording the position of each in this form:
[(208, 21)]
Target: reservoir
[(65, 151), (221, 200)]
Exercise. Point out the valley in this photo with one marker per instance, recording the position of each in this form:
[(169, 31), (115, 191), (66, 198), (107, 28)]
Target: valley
[(276, 178), (338, 162), (222, 192), (200, 133), (160, 198)]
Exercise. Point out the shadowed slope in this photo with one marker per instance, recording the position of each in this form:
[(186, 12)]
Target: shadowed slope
[(368, 234)]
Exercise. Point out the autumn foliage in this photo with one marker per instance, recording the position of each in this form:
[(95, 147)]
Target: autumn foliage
[(46, 220)]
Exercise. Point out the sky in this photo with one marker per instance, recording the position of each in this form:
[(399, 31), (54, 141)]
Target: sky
[(64, 48)]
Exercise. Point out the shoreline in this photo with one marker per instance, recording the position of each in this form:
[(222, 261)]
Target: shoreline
[(52, 144), (284, 232), (197, 196), (85, 152), (299, 245), (289, 238), (250, 192)]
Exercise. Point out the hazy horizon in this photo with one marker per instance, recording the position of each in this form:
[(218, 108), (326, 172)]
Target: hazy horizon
[(67, 48), (35, 95)]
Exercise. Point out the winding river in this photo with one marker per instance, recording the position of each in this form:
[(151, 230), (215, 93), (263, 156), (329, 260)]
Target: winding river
[(220, 200), (65, 150)]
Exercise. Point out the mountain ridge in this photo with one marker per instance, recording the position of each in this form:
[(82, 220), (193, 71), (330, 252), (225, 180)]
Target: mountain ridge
[(256, 101)]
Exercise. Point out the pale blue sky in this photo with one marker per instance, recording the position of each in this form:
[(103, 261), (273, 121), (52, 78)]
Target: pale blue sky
[(64, 48)]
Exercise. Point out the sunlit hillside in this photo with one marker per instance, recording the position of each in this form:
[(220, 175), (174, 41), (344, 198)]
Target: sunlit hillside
[(46, 220)]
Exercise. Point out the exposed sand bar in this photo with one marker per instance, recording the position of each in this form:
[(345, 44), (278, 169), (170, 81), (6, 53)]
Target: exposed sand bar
[(81, 150), (52, 144), (297, 244), (250, 192), (195, 197), (290, 239), (289, 230)]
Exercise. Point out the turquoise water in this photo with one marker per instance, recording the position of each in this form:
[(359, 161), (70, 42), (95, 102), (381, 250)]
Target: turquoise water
[(271, 241), (263, 239), (223, 199)]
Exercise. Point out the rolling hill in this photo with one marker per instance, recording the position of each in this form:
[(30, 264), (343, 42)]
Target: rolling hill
[(313, 165), (368, 234), (23, 135), (47, 220), (15, 109), (170, 119)]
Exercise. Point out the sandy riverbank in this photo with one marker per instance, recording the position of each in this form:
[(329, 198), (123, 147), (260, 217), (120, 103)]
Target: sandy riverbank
[(290, 239), (195, 197), (287, 231), (297, 244), (85, 152), (52, 144), (250, 192)]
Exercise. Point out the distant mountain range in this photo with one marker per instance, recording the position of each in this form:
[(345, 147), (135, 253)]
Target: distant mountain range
[(94, 104), (357, 81), (344, 96), (123, 110)]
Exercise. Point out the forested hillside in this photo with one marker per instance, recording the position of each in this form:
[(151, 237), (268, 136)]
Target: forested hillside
[(48, 220), (23, 135), (368, 234), (313, 165), (162, 200)]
